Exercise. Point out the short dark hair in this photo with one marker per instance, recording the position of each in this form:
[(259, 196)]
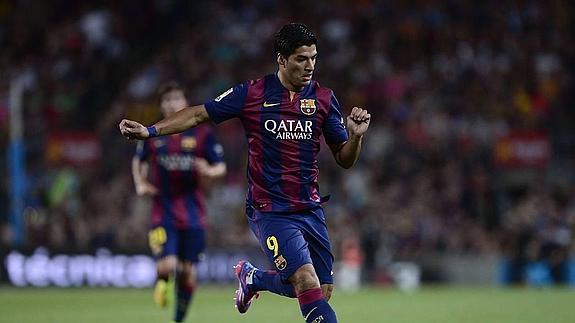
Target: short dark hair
[(168, 87), (292, 36)]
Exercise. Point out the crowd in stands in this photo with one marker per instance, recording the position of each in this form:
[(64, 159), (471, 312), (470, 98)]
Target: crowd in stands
[(443, 80)]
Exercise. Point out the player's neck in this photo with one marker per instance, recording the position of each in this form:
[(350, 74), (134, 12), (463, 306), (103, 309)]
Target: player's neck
[(287, 85)]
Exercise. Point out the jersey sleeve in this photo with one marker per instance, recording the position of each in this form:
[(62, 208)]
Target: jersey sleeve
[(334, 125), (214, 151), (228, 105), (142, 150)]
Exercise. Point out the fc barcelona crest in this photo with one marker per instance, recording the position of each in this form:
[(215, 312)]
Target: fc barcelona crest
[(307, 106), (189, 143), (281, 262)]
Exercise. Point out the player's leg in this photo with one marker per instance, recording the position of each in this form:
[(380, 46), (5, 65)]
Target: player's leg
[(313, 304), (270, 280), (192, 244), (316, 234), (251, 279), (263, 280), (163, 245), (257, 279), (186, 283), (314, 283), (166, 268), (283, 242)]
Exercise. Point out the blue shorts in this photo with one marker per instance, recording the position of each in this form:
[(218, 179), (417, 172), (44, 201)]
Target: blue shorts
[(186, 244), (291, 240)]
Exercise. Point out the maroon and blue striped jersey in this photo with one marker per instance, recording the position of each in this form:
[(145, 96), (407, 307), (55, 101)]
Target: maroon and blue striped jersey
[(180, 203), (283, 137)]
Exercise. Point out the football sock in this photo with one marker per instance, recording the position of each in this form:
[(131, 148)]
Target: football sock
[(315, 308), (184, 295), (271, 281)]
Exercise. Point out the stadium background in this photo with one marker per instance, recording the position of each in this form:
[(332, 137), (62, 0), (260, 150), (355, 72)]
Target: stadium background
[(467, 173)]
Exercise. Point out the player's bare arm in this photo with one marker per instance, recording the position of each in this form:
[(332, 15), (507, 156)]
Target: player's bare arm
[(211, 171), (178, 122), (140, 174), (346, 154)]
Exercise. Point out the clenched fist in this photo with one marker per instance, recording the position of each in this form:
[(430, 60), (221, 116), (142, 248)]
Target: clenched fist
[(358, 121), (133, 130)]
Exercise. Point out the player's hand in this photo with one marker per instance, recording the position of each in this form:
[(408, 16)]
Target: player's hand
[(358, 121), (146, 189), (133, 130), (202, 166), (209, 171)]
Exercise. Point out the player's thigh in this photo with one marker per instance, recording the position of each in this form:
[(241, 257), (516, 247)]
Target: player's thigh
[(316, 234), (163, 242), (282, 241), (192, 243)]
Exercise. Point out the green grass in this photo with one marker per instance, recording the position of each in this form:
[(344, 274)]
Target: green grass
[(215, 305)]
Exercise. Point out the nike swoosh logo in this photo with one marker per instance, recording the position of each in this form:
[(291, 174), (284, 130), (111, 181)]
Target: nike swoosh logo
[(267, 105), (308, 314)]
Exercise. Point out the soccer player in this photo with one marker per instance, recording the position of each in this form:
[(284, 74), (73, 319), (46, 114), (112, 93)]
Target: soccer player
[(284, 116), (177, 235)]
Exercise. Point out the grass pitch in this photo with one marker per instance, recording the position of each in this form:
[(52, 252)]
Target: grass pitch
[(214, 304)]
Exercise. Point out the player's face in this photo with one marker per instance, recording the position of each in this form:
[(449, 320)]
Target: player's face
[(172, 102), (298, 68)]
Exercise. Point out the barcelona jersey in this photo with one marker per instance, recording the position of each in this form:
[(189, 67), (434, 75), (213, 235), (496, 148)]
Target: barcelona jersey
[(283, 137), (180, 203)]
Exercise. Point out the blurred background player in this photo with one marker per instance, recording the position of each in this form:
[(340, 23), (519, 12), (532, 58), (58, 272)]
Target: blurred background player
[(284, 116), (177, 164)]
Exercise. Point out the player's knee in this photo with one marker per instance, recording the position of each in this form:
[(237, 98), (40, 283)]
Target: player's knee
[(188, 275), (304, 278), (166, 267), (327, 289)]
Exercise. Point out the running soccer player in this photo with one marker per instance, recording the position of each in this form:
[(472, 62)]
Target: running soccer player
[(284, 116), (177, 235)]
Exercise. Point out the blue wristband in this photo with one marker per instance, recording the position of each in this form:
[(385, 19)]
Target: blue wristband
[(152, 131)]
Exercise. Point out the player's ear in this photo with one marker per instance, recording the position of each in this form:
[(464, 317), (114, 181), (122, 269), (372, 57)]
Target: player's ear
[(281, 60)]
